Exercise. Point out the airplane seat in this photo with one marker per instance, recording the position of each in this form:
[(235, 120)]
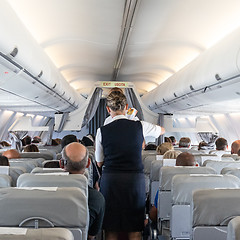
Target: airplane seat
[(15, 172), (201, 158), (33, 234), (233, 229), (52, 162), (39, 161), (5, 181), (49, 151), (165, 181), (47, 170), (233, 156), (45, 207), (53, 180), (211, 211), (232, 171), (147, 153), (219, 165), (29, 165), (182, 187), (46, 155), (56, 149), (59, 156)]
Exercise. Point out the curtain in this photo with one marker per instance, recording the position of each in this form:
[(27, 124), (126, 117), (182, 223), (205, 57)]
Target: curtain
[(92, 106), (208, 137), (133, 102), (99, 117), (160, 122), (15, 139), (50, 131)]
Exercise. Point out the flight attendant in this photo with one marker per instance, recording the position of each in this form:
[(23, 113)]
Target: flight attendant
[(118, 150)]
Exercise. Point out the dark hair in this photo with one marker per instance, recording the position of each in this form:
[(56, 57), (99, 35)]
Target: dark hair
[(202, 145), (52, 164), (221, 144), (26, 141), (167, 139), (31, 148), (173, 139), (116, 101), (73, 166), (4, 161), (68, 139), (185, 159), (150, 146)]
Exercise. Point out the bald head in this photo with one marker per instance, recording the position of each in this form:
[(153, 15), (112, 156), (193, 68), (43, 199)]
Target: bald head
[(76, 157), (11, 153), (185, 159), (235, 147)]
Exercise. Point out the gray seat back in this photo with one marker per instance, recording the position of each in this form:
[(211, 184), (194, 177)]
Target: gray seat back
[(33, 234), (215, 207), (58, 207), (5, 181), (15, 172), (233, 156), (47, 170), (183, 185), (201, 158), (233, 230), (219, 165), (46, 155), (56, 149), (29, 165), (39, 161), (232, 171), (167, 173), (71, 180)]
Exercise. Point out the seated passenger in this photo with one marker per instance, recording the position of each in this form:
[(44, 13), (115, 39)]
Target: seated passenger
[(167, 139), (173, 139), (185, 142), (52, 164), (221, 147), (68, 139), (11, 153), (75, 157), (183, 159), (5, 144), (235, 147), (36, 139), (164, 147), (26, 140), (171, 154), (4, 161), (88, 140), (202, 146), (150, 146), (31, 148)]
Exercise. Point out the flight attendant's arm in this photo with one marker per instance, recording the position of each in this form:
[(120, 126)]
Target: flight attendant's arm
[(152, 130), (99, 149)]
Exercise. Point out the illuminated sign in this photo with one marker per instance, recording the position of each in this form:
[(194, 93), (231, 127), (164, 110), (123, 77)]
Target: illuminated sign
[(110, 84)]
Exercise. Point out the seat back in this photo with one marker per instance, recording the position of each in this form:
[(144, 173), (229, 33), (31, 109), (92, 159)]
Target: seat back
[(5, 181), (38, 161), (47, 170), (183, 185), (233, 230), (45, 154), (33, 234), (71, 180), (29, 165), (201, 158), (55, 207), (167, 173), (232, 171), (219, 165), (15, 172)]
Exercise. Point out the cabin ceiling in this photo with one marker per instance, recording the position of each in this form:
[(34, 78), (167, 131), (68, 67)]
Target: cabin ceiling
[(82, 38)]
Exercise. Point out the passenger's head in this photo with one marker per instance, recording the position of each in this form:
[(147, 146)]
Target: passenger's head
[(88, 140), (36, 139), (164, 147), (173, 139), (26, 140), (167, 139), (75, 157), (4, 161), (68, 139), (5, 144), (185, 159), (116, 101), (11, 153), (171, 154), (116, 89), (221, 144), (150, 146), (235, 147), (185, 142), (202, 145), (31, 148), (52, 164)]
